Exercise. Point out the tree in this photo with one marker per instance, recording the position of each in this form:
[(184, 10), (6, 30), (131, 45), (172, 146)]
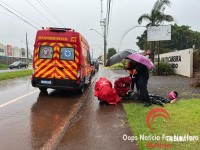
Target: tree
[(156, 17), (142, 43), (182, 37), (111, 52)]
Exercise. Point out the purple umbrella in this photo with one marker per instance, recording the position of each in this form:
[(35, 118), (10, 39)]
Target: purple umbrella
[(141, 59)]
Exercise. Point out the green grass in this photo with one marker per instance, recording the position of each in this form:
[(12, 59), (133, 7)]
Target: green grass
[(117, 66), (14, 74), (3, 66), (184, 119)]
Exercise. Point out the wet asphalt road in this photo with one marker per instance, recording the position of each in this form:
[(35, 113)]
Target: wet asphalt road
[(30, 119), (33, 120), (98, 127)]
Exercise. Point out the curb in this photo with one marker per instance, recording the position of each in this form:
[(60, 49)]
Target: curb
[(58, 134)]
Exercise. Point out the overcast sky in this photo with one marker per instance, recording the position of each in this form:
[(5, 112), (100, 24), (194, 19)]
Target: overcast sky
[(82, 15)]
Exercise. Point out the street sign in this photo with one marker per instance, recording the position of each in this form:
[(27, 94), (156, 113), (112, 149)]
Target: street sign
[(159, 33)]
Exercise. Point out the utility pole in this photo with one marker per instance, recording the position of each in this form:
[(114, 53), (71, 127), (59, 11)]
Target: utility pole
[(27, 47), (92, 54), (103, 23)]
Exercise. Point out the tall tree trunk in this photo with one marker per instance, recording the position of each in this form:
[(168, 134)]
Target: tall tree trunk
[(158, 51), (153, 45)]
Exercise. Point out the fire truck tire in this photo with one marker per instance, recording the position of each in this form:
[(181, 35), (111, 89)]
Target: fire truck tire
[(43, 89), (90, 79), (81, 89)]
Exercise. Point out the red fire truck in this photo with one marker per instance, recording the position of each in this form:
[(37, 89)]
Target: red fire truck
[(61, 60)]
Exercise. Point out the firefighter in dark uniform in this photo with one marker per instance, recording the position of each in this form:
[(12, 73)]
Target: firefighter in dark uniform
[(143, 77)]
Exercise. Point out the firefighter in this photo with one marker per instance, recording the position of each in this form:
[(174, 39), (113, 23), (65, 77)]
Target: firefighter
[(143, 77), (131, 67)]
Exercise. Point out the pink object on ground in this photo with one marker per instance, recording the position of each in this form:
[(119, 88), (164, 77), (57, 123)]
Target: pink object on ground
[(173, 95)]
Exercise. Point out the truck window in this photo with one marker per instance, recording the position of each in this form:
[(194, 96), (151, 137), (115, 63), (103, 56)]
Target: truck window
[(67, 53), (46, 52)]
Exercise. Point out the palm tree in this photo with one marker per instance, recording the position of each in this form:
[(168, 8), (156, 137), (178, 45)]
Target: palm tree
[(156, 17)]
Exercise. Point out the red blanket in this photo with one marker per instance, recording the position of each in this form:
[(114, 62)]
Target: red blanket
[(122, 85), (105, 92)]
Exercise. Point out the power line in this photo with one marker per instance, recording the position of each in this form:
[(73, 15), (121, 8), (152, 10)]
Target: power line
[(49, 11), (18, 16), (1, 12), (20, 13), (39, 12)]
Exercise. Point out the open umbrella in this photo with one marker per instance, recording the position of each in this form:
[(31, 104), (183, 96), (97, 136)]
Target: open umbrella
[(119, 56), (141, 59)]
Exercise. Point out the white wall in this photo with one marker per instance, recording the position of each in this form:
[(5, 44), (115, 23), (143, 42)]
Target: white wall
[(182, 61)]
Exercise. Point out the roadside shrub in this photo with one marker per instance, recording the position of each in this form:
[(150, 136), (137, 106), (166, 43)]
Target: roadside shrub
[(196, 83), (163, 69), (117, 66)]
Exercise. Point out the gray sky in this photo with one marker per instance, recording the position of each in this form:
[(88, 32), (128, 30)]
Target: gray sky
[(82, 15)]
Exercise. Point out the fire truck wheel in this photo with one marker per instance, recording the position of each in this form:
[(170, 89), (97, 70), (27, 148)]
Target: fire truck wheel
[(90, 79), (101, 102), (43, 89), (81, 89)]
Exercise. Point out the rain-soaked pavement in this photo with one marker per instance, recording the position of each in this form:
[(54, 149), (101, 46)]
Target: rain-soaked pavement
[(33, 120), (98, 127)]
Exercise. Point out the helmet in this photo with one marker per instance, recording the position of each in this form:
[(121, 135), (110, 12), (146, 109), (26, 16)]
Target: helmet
[(173, 95)]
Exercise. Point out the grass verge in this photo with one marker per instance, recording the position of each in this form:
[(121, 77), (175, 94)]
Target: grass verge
[(14, 74), (3, 66), (117, 66), (184, 120)]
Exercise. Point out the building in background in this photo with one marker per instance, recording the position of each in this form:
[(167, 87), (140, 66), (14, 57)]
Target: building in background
[(16, 52), (23, 53), (9, 54), (2, 50), (9, 51)]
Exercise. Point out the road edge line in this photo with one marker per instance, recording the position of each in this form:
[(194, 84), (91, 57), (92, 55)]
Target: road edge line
[(16, 99)]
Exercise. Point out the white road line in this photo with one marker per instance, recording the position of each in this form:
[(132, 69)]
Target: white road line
[(16, 99)]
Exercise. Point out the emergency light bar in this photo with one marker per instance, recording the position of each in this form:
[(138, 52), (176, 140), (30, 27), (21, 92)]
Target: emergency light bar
[(58, 29)]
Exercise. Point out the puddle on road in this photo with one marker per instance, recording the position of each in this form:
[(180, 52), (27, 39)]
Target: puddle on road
[(5, 84), (30, 122), (48, 113)]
